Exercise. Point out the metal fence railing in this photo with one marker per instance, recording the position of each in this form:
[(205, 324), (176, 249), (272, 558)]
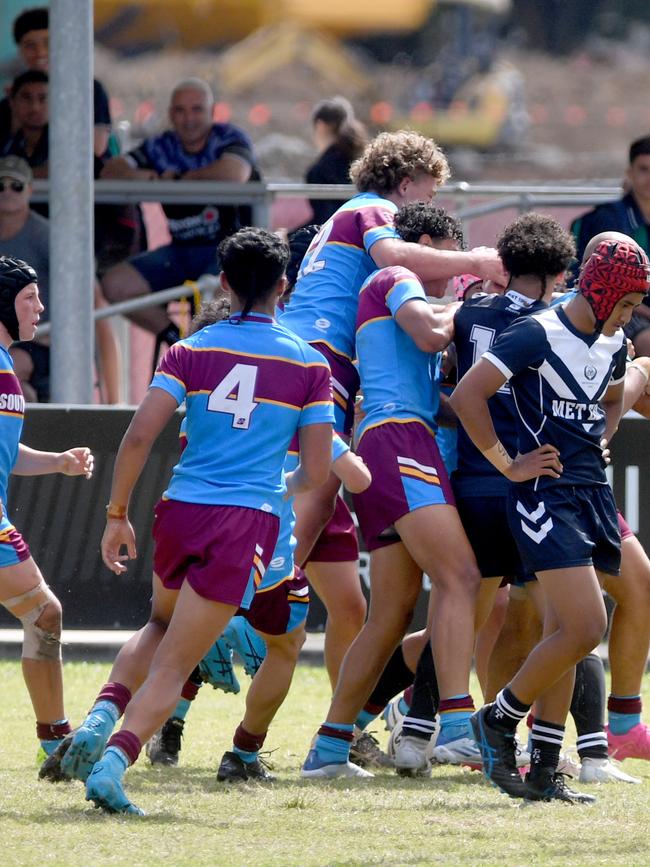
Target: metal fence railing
[(469, 201)]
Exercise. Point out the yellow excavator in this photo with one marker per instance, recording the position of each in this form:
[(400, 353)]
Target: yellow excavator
[(259, 37)]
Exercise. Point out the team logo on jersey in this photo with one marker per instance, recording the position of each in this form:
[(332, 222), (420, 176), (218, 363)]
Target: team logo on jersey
[(322, 324), (590, 372)]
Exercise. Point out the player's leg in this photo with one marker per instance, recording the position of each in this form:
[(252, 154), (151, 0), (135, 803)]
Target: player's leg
[(520, 632), (263, 700), (192, 629), (488, 635), (436, 541), (574, 600), (127, 674), (26, 595), (395, 582), (339, 588), (629, 637)]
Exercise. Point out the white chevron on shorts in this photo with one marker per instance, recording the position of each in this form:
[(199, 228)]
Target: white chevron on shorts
[(539, 535), (532, 516)]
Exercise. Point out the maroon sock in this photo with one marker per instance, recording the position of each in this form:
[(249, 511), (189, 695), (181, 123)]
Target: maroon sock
[(55, 731), (333, 732), (374, 709), (408, 695), (116, 693), (190, 690), (128, 743), (247, 742), (615, 704)]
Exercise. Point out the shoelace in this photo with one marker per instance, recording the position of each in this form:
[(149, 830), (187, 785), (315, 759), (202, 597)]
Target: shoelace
[(263, 759)]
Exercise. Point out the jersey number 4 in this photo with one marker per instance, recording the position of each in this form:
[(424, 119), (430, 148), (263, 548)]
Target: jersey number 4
[(235, 395)]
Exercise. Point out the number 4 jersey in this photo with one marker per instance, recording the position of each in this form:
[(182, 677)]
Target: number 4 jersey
[(248, 385)]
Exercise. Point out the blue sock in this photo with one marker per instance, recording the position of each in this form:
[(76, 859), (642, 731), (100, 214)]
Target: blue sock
[(455, 713), (105, 709), (245, 756), (364, 719), (114, 762), (182, 708), (333, 750), (403, 706), (50, 746)]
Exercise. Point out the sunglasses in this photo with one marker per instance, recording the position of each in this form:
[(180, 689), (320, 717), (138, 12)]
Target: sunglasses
[(16, 186)]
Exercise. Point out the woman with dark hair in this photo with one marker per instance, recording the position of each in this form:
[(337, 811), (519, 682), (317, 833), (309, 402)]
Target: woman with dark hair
[(340, 139)]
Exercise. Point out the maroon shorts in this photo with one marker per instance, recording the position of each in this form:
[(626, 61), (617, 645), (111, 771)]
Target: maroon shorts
[(338, 541), (624, 528), (13, 548), (282, 608), (345, 385), (408, 473), (220, 550)]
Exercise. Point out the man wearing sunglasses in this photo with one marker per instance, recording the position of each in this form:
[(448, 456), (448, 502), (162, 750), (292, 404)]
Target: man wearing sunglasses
[(24, 235)]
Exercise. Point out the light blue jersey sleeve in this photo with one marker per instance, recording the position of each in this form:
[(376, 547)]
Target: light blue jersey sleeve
[(170, 375), (405, 289), (339, 447)]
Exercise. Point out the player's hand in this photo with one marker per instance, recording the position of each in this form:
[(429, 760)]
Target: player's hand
[(544, 461), (117, 534), (77, 462), (604, 450), (488, 265)]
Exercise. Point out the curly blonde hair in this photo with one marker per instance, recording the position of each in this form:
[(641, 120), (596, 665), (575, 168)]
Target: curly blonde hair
[(393, 156)]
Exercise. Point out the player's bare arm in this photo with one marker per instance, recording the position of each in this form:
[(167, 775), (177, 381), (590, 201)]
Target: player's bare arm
[(432, 264), (315, 459), (77, 461), (431, 328)]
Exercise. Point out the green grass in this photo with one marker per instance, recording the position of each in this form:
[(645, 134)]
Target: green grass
[(454, 818)]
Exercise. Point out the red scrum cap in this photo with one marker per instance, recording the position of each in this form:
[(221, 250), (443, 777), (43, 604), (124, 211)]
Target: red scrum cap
[(614, 269)]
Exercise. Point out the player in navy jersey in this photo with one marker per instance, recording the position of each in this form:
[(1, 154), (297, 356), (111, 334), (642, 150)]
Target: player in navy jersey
[(407, 515), (23, 592), (248, 385), (565, 367), (395, 169)]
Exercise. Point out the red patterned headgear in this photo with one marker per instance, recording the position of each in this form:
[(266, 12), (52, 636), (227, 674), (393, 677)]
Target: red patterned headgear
[(614, 269)]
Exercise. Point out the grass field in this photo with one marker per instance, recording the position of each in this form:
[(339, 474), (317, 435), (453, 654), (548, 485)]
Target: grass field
[(454, 818)]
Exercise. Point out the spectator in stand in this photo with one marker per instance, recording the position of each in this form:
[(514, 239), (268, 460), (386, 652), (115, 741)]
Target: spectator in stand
[(28, 97), (194, 148), (631, 216), (31, 35), (340, 139), (25, 235)]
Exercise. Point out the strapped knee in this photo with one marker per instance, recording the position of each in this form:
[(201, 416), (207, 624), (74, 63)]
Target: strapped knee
[(38, 643)]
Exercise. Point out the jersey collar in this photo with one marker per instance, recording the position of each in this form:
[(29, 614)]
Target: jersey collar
[(252, 317), (589, 339)]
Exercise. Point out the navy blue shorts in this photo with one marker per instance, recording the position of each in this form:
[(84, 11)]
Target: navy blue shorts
[(485, 521), (172, 264), (566, 526)]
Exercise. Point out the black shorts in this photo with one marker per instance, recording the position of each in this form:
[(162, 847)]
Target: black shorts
[(485, 520), (564, 526), (173, 264)]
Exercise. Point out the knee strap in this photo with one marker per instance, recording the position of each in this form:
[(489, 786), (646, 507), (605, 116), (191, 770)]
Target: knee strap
[(28, 607)]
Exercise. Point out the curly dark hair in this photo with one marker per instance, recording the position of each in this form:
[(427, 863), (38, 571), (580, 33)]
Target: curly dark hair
[(253, 260), (392, 156), (535, 245), (210, 312), (417, 219)]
